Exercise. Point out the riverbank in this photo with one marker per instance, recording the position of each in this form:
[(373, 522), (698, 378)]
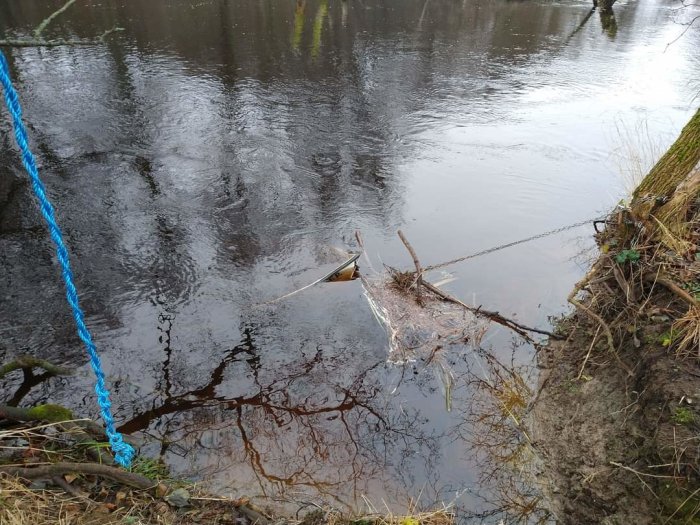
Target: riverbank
[(616, 422)]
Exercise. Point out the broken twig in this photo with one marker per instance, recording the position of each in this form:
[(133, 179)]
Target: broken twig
[(416, 262), (520, 329)]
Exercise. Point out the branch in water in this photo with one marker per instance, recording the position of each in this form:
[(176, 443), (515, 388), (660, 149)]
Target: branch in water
[(44, 43), (33, 42), (27, 362), (520, 329), (40, 28)]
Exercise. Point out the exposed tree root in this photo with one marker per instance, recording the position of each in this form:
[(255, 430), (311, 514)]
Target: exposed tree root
[(597, 318), (673, 287)]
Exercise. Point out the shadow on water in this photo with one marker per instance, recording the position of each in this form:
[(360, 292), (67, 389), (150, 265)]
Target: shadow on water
[(204, 159)]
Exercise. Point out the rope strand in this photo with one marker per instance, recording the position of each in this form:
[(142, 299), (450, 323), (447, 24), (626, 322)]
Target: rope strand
[(123, 452)]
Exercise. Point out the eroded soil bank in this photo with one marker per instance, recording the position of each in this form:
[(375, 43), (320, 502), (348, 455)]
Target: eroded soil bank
[(616, 422), (617, 448)]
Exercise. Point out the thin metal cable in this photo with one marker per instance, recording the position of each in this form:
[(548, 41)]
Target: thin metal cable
[(508, 245)]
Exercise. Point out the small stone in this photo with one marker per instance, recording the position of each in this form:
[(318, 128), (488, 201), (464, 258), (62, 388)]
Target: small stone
[(39, 484), (178, 498)]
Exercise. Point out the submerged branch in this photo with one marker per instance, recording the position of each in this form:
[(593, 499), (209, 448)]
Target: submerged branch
[(59, 42), (496, 317), (520, 329), (44, 24), (44, 43)]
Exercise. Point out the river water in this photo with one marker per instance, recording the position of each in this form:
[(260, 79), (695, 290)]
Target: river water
[(204, 159)]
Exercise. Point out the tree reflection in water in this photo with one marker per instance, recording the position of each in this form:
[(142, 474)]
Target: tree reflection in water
[(291, 434), (494, 432), (308, 429)]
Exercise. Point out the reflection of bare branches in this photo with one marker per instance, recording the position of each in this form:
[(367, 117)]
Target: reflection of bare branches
[(338, 435), (684, 5), (499, 444)]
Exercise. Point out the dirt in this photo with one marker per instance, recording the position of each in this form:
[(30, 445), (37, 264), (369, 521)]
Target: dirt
[(616, 448)]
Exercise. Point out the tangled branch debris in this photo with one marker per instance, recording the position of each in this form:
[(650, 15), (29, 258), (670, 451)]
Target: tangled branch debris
[(415, 281)]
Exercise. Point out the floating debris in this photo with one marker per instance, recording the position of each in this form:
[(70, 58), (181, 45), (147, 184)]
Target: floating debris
[(347, 271)]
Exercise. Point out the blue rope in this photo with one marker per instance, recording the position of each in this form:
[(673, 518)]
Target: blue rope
[(123, 452)]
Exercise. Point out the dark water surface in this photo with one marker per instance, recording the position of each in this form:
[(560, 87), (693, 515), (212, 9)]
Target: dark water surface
[(204, 158)]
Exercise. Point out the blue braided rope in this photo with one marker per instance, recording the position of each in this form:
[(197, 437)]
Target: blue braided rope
[(123, 452)]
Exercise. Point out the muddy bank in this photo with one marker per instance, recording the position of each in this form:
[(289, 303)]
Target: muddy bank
[(616, 422), (617, 448)]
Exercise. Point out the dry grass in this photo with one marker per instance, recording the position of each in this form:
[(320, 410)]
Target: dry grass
[(20, 505), (402, 281), (414, 516), (686, 331), (636, 152)]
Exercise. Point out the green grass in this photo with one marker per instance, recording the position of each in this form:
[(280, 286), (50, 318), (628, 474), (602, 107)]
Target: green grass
[(150, 468), (683, 416)]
